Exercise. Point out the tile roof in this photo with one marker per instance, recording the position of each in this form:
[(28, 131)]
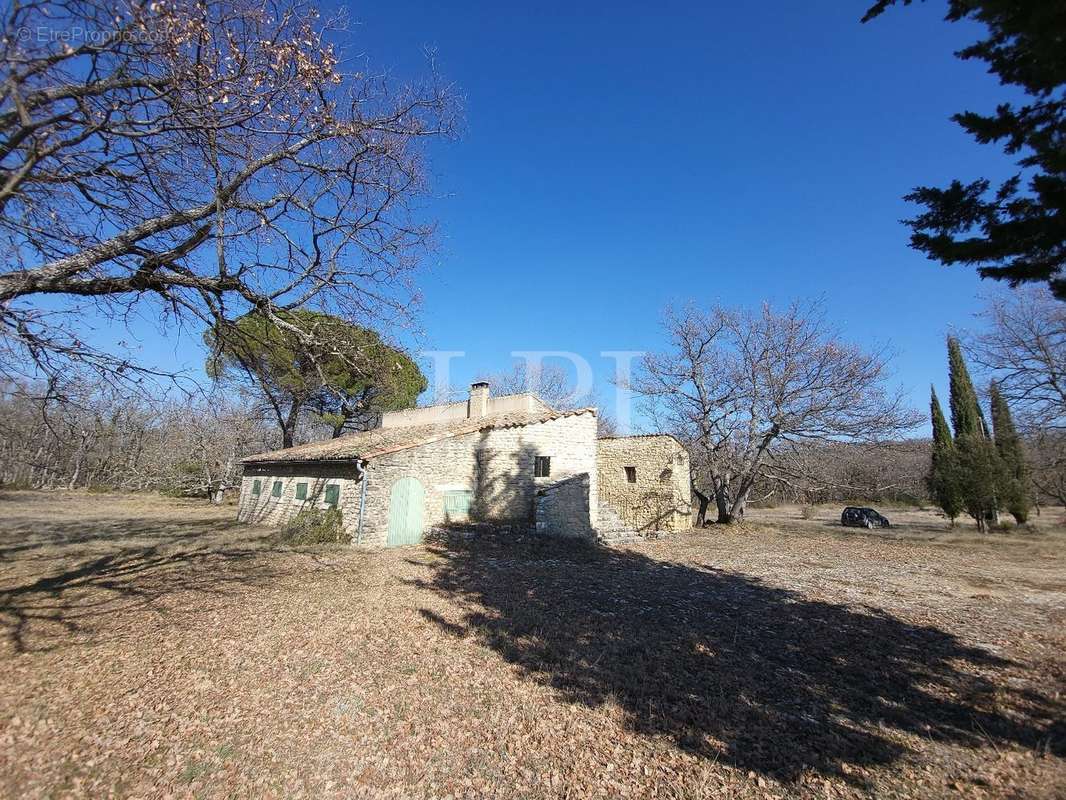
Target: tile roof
[(379, 441)]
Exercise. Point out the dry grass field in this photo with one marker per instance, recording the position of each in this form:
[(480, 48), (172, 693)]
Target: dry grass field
[(156, 648)]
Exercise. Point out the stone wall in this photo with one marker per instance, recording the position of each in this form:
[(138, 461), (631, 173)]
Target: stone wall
[(266, 509), (562, 509), (496, 466), (659, 499)]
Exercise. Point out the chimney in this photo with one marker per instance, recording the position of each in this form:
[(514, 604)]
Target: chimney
[(478, 404)]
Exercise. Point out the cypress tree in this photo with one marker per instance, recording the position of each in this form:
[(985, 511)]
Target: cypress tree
[(966, 416), (1015, 477), (979, 467), (944, 474)]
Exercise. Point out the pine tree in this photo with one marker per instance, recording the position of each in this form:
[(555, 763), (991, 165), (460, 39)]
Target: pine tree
[(979, 467), (1014, 230), (1015, 478), (944, 474)]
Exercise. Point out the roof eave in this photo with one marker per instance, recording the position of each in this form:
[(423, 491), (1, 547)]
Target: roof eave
[(318, 460)]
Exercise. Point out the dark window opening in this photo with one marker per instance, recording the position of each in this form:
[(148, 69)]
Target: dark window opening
[(276, 491), (301, 491), (542, 466), (631, 474)]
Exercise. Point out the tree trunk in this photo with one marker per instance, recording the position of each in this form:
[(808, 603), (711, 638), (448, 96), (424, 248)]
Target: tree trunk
[(288, 426), (701, 515), (721, 499), (740, 507)]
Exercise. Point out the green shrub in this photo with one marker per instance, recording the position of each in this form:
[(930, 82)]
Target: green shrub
[(315, 526)]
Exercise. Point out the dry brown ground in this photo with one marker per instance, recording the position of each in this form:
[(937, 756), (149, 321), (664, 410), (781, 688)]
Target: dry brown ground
[(154, 647)]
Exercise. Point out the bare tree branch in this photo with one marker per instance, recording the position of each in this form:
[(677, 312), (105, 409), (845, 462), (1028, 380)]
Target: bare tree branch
[(194, 161), (745, 388)]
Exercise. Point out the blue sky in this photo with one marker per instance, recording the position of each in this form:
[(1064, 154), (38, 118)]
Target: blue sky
[(618, 157)]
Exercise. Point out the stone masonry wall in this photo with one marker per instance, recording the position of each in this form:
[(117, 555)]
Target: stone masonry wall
[(266, 509), (659, 500), (496, 465), (562, 509)]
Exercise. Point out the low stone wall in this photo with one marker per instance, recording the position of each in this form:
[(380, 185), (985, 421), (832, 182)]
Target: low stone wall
[(562, 509)]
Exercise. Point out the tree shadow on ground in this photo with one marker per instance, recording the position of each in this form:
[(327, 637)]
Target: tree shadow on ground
[(62, 580), (728, 667)]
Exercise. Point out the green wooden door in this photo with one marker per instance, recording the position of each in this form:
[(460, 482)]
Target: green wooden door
[(405, 512)]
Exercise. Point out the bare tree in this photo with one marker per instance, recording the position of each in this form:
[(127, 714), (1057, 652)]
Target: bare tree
[(1046, 453), (743, 388), (823, 472), (191, 161), (76, 435), (1023, 348), (554, 386)]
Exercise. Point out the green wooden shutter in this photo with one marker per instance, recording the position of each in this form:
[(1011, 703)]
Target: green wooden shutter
[(276, 491), (457, 504), (333, 495), (301, 491), (257, 486)]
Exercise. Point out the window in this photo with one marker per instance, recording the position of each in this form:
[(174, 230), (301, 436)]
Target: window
[(542, 466), (631, 474), (332, 495), (301, 491), (257, 486), (457, 504), (276, 491)]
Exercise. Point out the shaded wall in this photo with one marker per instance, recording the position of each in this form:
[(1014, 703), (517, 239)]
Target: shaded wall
[(496, 466), (562, 509)]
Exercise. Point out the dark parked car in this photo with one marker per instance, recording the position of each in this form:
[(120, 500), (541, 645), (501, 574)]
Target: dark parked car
[(855, 517)]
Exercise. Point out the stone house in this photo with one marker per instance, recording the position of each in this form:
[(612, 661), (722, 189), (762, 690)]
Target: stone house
[(644, 482), (510, 460)]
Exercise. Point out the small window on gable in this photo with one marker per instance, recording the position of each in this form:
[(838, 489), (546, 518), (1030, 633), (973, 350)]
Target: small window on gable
[(631, 474), (301, 491), (542, 467), (257, 486), (276, 491), (332, 495)]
